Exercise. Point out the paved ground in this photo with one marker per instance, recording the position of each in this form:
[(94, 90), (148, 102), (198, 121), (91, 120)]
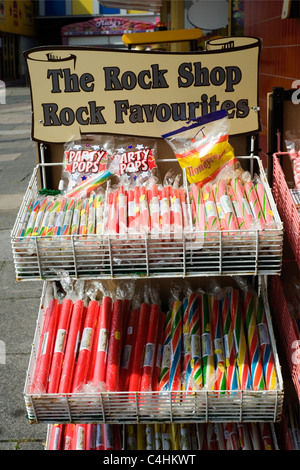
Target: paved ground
[(19, 302)]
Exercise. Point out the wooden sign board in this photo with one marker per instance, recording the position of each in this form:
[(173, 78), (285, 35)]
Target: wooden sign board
[(89, 90)]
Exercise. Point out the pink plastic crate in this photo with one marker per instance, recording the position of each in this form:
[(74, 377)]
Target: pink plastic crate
[(289, 335), (286, 205)]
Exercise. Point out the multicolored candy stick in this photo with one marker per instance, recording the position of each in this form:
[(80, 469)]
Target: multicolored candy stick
[(195, 340), (198, 203), (217, 336), (236, 207), (242, 201), (46, 219), (206, 342), (228, 222), (187, 369), (25, 219), (89, 185), (84, 217), (99, 214), (53, 217), (40, 216), (254, 204), (242, 356), (268, 360), (264, 203), (166, 356), (211, 213), (33, 214), (176, 329), (229, 348), (92, 215), (76, 217), (253, 343), (185, 216), (60, 216), (68, 217)]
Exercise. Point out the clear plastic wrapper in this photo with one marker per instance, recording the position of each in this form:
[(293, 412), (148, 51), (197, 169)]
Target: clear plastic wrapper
[(202, 148)]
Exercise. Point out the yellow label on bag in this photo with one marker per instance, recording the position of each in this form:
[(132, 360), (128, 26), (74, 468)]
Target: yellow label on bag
[(202, 167)]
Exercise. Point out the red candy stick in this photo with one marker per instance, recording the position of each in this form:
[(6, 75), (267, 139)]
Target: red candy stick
[(99, 444), (136, 371), (79, 439), (144, 210), (47, 346), (68, 437), (154, 210), (94, 348), (165, 212), (65, 385), (122, 208), (117, 437), (82, 365), (45, 325), (158, 352), (149, 353), (130, 210), (60, 345), (56, 437), (102, 341), (127, 355), (115, 346)]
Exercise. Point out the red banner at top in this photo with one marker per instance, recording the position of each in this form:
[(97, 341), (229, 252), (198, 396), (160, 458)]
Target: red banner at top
[(106, 25)]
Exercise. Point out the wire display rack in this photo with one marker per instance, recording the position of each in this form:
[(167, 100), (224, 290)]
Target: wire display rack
[(191, 254), (143, 407)]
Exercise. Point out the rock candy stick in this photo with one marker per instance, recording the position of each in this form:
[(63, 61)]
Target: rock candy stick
[(60, 345), (66, 379), (253, 343), (254, 204)]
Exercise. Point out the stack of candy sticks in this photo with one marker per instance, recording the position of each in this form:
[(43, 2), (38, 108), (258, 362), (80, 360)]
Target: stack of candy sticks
[(162, 436), (205, 341), (160, 211), (52, 216), (230, 205)]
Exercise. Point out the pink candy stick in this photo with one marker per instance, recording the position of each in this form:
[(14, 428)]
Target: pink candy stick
[(112, 219), (177, 213), (122, 207), (242, 200), (165, 212), (254, 204), (144, 211), (198, 207), (229, 221), (211, 214), (264, 203), (154, 210)]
